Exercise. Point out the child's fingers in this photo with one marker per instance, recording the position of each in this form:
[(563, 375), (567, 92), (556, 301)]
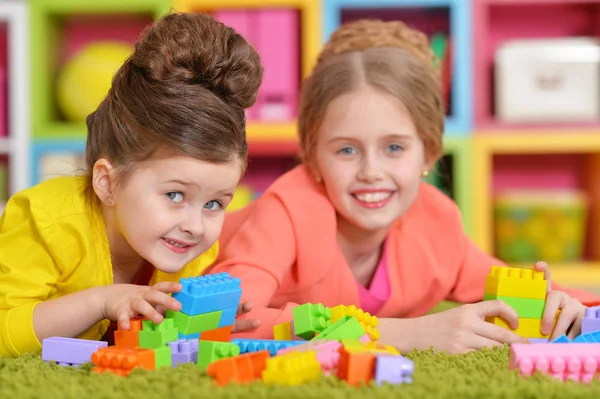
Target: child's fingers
[(157, 298), (575, 329), (543, 267), (568, 315), (498, 308), (491, 332), (244, 307), (141, 306), (123, 320), (167, 287), (554, 301), (241, 325)]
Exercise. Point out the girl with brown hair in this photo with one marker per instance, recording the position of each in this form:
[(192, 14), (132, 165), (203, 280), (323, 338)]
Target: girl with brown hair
[(165, 151)]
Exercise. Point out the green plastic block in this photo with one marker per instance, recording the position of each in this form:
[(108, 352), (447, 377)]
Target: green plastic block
[(153, 336), (351, 343), (187, 324), (162, 357), (211, 351), (345, 328), (526, 308), (3, 183), (310, 319)]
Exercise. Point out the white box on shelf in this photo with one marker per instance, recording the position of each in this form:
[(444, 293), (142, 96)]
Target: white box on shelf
[(548, 80), (56, 164)]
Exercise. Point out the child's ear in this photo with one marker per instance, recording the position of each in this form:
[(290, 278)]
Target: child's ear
[(103, 181)]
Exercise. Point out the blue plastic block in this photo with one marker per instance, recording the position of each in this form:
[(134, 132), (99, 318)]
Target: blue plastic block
[(189, 336), (255, 345), (561, 340), (209, 293), (227, 317)]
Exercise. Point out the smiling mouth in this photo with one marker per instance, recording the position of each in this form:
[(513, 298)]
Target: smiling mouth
[(177, 246), (176, 243), (372, 198)]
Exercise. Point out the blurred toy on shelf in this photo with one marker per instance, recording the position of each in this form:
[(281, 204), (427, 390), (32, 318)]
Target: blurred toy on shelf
[(3, 181), (57, 164), (85, 78), (243, 196), (540, 224), (548, 80)]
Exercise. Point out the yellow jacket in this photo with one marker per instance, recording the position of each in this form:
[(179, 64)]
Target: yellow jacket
[(52, 243)]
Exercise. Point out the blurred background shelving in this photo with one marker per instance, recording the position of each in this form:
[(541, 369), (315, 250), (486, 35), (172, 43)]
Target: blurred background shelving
[(522, 139)]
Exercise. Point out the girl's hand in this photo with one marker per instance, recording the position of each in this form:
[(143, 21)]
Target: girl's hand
[(571, 310), (457, 330), (120, 302), (241, 325)]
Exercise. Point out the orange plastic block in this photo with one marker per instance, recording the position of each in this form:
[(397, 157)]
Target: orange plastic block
[(240, 369), (356, 367), (515, 282), (221, 334), (122, 361), (129, 339)]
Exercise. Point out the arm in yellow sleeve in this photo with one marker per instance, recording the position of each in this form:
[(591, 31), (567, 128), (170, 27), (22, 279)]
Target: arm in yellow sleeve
[(34, 252)]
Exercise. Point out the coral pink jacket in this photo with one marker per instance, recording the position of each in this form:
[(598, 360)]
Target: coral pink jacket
[(284, 248)]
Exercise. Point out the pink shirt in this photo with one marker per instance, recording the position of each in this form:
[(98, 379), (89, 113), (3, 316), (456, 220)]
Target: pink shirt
[(373, 298)]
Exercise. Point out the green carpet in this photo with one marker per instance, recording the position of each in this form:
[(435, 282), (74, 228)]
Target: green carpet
[(482, 374)]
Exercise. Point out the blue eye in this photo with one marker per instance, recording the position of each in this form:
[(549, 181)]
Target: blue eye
[(347, 151), (213, 205), (394, 147), (175, 196)]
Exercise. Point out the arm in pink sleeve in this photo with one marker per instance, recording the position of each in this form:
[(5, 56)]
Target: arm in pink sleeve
[(260, 251)]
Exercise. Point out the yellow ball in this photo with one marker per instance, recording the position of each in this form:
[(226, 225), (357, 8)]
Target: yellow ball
[(86, 77)]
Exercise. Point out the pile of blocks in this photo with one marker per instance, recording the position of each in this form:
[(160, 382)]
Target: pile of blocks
[(524, 290), (319, 341)]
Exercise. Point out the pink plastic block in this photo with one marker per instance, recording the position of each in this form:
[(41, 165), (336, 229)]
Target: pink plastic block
[(578, 362), (239, 20), (70, 351), (278, 43), (329, 359), (591, 321)]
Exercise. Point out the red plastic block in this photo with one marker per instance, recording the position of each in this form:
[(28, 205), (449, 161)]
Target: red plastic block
[(569, 361), (240, 369), (131, 338), (122, 361)]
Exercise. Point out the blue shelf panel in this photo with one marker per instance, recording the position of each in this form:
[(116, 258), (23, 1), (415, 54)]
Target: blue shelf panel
[(460, 123), (41, 147)]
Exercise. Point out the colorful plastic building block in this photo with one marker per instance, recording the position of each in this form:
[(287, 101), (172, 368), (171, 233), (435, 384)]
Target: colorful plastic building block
[(122, 361), (154, 335), (129, 338), (591, 321), (393, 370), (526, 308), (366, 321), (515, 282), (527, 327), (184, 351), (187, 324), (356, 367), (211, 351), (346, 327), (209, 293), (240, 369), (310, 319), (255, 345), (69, 351), (591, 338), (163, 357), (221, 334), (561, 361), (282, 332), (293, 368)]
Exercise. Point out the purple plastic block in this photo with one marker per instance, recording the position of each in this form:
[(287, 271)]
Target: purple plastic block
[(591, 321), (538, 340), (184, 351), (393, 369), (73, 351)]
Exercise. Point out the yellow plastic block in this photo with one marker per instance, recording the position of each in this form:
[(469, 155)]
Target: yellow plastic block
[(372, 347), (528, 328), (515, 282), (282, 332), (365, 319), (292, 368)]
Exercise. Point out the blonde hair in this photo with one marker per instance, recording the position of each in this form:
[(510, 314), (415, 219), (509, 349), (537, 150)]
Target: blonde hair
[(388, 56)]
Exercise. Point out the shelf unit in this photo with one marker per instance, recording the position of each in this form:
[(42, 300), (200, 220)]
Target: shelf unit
[(15, 144)]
